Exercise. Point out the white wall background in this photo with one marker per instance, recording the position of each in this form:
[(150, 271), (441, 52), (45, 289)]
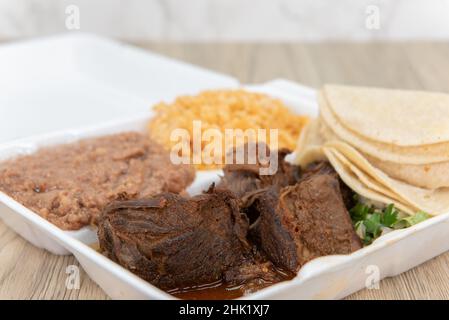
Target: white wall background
[(232, 20)]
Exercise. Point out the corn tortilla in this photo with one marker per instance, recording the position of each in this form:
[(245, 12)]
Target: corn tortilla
[(332, 128), (398, 117), (434, 201)]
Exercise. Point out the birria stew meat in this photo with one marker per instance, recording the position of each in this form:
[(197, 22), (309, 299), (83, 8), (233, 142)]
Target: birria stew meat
[(246, 233)]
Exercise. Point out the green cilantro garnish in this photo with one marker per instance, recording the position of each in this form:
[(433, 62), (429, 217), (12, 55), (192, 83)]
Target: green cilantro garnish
[(359, 212), (390, 216), (370, 223), (373, 225), (412, 220)]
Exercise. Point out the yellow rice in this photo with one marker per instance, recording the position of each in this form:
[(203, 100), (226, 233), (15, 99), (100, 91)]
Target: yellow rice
[(226, 109)]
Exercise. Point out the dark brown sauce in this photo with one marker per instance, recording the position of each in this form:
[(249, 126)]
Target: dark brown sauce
[(216, 290), (212, 291), (220, 291)]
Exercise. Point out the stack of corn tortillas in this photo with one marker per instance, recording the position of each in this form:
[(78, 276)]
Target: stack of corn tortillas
[(390, 146)]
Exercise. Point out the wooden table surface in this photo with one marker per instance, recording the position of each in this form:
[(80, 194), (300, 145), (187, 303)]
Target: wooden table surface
[(30, 273)]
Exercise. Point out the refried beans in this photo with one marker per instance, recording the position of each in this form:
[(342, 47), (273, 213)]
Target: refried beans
[(69, 185)]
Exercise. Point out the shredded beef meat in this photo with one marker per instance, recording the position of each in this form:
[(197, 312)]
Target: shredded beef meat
[(250, 232), (176, 242), (247, 182), (242, 179), (307, 220)]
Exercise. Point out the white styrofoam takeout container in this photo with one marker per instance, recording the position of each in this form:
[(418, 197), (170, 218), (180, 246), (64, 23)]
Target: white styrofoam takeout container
[(328, 277)]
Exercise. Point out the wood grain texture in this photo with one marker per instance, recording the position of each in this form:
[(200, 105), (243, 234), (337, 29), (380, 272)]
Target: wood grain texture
[(27, 272)]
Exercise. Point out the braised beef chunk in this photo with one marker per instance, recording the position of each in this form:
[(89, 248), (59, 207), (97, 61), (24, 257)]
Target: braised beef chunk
[(181, 243), (315, 168), (247, 182), (305, 221), (324, 167), (243, 179), (273, 237), (255, 273), (175, 242)]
